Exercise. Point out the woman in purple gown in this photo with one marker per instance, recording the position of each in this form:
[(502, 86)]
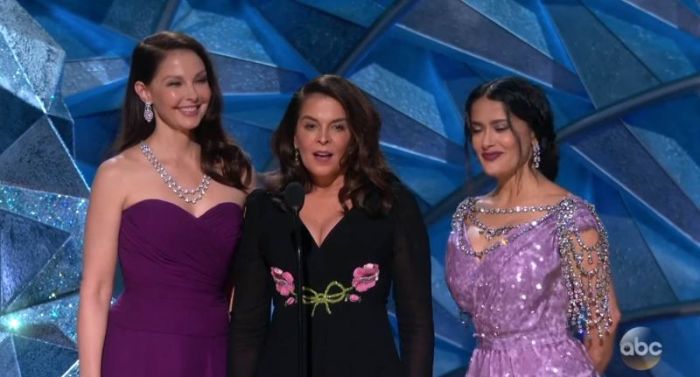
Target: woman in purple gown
[(174, 244), (528, 262)]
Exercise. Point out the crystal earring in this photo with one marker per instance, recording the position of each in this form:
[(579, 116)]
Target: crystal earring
[(296, 156), (148, 113), (536, 155)]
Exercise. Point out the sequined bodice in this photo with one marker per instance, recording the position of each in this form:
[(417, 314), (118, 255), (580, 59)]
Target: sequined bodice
[(516, 287), (519, 295)]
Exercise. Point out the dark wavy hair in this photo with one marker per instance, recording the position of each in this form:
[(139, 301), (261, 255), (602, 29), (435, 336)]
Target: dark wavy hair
[(529, 103), (367, 175), (221, 158)]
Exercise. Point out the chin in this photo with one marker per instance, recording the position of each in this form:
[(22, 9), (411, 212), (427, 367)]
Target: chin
[(190, 124), (495, 172), (323, 174)]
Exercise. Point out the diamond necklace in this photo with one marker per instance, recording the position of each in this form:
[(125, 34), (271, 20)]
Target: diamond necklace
[(189, 196)]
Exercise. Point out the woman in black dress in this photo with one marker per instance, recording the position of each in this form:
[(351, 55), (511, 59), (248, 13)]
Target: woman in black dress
[(363, 236)]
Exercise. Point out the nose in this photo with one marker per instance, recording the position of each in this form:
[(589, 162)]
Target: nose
[(486, 138), (322, 137), (192, 92)]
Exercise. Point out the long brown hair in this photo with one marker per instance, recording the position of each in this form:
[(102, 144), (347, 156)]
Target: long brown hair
[(366, 171), (221, 158)]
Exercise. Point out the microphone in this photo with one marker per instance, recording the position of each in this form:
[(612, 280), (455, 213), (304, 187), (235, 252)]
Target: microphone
[(293, 197)]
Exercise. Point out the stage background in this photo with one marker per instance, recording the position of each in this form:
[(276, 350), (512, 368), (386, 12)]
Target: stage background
[(622, 76)]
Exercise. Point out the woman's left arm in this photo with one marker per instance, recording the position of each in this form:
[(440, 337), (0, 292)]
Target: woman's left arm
[(411, 286), (584, 248), (600, 341)]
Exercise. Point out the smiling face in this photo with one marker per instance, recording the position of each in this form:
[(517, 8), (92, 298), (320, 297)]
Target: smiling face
[(502, 146), (179, 91), (322, 137)]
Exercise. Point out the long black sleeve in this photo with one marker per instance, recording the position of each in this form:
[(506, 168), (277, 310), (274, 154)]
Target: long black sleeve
[(412, 283), (252, 295)]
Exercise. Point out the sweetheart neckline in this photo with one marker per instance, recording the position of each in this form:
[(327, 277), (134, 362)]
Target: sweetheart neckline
[(171, 204)]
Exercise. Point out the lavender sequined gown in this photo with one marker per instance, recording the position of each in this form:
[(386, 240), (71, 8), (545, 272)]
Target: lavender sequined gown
[(518, 303), (172, 318)]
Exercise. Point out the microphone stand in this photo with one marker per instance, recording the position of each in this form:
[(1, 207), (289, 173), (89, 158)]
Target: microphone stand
[(301, 314), (294, 199)]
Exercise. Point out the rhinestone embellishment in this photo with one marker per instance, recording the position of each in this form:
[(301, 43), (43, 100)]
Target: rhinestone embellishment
[(189, 196)]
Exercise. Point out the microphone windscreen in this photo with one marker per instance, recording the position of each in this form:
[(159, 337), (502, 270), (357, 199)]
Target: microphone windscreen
[(294, 195)]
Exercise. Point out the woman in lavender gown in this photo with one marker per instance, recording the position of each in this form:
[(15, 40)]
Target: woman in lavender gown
[(528, 262), (175, 245)]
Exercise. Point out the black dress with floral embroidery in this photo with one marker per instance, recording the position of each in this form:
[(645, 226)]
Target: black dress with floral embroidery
[(349, 278)]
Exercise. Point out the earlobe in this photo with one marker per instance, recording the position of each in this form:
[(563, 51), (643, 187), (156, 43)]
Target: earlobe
[(142, 91)]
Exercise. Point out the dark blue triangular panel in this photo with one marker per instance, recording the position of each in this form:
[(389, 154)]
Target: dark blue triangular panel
[(25, 248), (39, 160)]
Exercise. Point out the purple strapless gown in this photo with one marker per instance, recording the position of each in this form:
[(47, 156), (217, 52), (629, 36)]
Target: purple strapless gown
[(518, 303), (172, 318)]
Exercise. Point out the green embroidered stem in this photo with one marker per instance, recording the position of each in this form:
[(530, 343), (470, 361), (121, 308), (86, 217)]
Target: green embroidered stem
[(326, 298)]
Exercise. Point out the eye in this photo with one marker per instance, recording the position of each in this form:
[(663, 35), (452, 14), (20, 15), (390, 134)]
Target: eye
[(474, 129), (173, 83), (309, 126), (202, 80), (339, 126), (501, 127)]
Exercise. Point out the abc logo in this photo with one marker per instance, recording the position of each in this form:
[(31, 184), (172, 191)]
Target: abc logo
[(640, 348)]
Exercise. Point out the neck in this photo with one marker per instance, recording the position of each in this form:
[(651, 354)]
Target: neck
[(172, 145), (516, 188), (328, 186)]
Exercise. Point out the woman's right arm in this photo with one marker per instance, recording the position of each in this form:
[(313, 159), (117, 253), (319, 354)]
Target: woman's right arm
[(99, 262), (252, 293)]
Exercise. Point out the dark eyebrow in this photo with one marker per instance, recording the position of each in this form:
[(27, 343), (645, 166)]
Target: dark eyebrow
[(179, 77), (496, 121), (309, 117)]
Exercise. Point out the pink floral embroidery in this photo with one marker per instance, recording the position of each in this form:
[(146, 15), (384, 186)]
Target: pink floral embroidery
[(365, 277), (284, 281)]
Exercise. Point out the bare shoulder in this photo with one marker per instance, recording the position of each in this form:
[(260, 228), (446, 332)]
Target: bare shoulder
[(224, 192), (552, 193), (116, 168), (113, 175), (110, 172), (253, 180)]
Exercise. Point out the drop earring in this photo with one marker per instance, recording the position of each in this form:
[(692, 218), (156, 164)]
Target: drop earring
[(148, 112), (536, 155)]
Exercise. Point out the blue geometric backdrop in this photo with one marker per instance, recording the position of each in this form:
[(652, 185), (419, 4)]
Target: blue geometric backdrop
[(622, 76)]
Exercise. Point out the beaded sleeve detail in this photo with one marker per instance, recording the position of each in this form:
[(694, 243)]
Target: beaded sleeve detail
[(585, 270)]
